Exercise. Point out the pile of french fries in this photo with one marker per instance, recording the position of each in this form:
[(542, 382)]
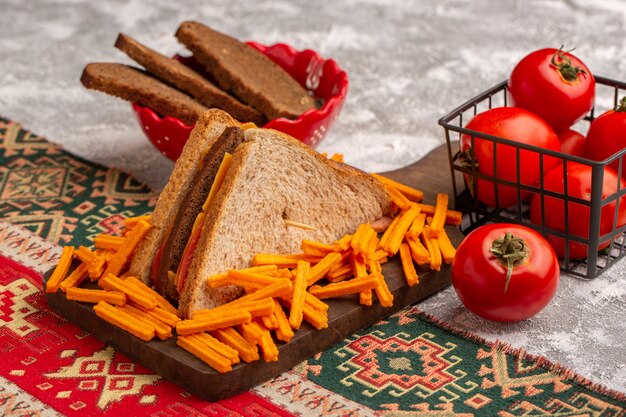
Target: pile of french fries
[(281, 291)]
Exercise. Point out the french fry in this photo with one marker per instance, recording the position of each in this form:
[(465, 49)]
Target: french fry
[(407, 265), (439, 217), (317, 249), (409, 192), (372, 244), (268, 347), (361, 237), (270, 321), (283, 261), (283, 332), (252, 332), (339, 274), (339, 289), (282, 288), (380, 256), (316, 318), (222, 348), (104, 241), (124, 321), (256, 308), (95, 264), (321, 268), (110, 281), (382, 243), (452, 217), (284, 273), (315, 302), (419, 253), (298, 298), (445, 247), (398, 198), (75, 278), (220, 280), (162, 330), (160, 300), (250, 279), (382, 290), (216, 361), (433, 248), (247, 351), (116, 264), (164, 316), (131, 222), (227, 319), (343, 244), (416, 227), (359, 270), (400, 229), (59, 273), (95, 296), (345, 260)]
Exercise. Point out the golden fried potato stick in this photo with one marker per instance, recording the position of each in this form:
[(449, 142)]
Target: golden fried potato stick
[(160, 300), (359, 270), (164, 316), (343, 244), (339, 289), (247, 352), (61, 269), (131, 222), (419, 253), (360, 237), (222, 348), (256, 308), (117, 263), (318, 249), (409, 192), (283, 261), (398, 198), (226, 319), (95, 263), (283, 331), (268, 347), (216, 361), (104, 241), (95, 296), (315, 303), (452, 217), (75, 278), (162, 330), (318, 271), (407, 265), (382, 290), (299, 291), (124, 321), (111, 282), (400, 229), (382, 243), (445, 247), (282, 288), (249, 279), (339, 274), (252, 332), (270, 321), (433, 248), (316, 318), (416, 227), (439, 217), (220, 280)]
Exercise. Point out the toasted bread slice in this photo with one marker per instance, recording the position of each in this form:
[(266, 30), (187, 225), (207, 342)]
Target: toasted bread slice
[(136, 86), (207, 130), (274, 177), (246, 72), (173, 72)]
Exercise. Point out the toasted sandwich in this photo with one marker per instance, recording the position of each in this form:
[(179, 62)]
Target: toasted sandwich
[(238, 191)]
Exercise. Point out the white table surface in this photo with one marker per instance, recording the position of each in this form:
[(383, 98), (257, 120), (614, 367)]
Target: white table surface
[(408, 65)]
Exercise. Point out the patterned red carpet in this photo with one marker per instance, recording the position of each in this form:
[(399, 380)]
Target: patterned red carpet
[(407, 365)]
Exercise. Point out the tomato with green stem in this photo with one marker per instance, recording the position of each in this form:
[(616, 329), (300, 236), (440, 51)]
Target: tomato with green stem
[(505, 272), (607, 136)]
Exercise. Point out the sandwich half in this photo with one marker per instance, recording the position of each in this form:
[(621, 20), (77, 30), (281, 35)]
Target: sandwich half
[(249, 188)]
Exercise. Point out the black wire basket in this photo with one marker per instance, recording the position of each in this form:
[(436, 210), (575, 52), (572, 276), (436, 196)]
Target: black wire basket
[(603, 250)]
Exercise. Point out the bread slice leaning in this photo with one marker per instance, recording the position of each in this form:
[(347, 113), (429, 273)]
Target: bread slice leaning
[(208, 128), (275, 177)]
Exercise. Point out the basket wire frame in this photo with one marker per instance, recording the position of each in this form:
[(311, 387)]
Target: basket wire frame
[(607, 91)]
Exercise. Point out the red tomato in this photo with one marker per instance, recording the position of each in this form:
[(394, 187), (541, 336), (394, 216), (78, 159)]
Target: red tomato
[(607, 136), (479, 272), (553, 84), (579, 186), (572, 143), (518, 125)]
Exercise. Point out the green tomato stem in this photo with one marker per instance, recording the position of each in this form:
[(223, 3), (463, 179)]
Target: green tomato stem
[(621, 107), (565, 67), (511, 251)]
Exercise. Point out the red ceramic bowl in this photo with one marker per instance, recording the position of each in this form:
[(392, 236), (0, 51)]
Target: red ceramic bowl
[(322, 76)]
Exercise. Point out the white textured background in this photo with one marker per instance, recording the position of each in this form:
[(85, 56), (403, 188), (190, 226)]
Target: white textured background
[(408, 65)]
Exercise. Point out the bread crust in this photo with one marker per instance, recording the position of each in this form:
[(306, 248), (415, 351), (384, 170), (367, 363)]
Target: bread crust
[(134, 85), (208, 128)]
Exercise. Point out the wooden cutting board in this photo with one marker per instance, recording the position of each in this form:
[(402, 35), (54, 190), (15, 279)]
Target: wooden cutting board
[(346, 315)]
